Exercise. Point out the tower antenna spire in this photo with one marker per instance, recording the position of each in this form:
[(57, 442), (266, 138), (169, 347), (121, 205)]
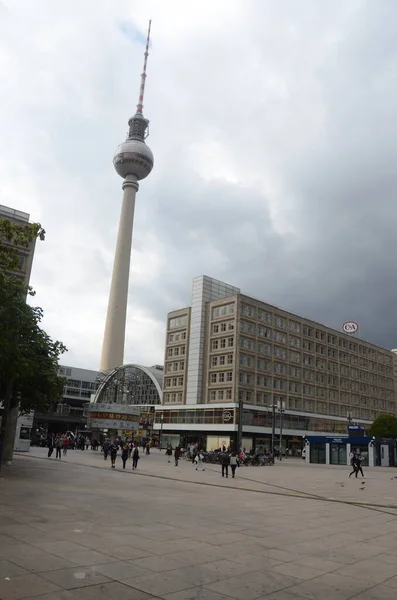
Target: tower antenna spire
[(139, 106)]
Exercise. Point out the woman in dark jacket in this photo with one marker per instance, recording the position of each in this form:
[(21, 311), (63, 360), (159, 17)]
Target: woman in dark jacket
[(135, 457), (177, 455), (113, 455), (124, 455)]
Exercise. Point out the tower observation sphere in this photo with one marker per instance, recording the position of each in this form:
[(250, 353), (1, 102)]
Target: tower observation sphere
[(133, 157)]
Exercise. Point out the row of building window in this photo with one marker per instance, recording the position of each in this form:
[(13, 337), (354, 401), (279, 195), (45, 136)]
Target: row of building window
[(177, 351), (223, 311), (282, 323), (220, 395), (177, 322), (222, 343), (222, 327), (175, 366), (173, 382), (221, 377), (223, 359), (180, 336), (174, 397), (266, 317)]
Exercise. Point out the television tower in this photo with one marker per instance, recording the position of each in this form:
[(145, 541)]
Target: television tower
[(133, 161)]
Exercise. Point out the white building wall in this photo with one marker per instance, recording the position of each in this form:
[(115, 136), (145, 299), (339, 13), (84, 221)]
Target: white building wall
[(205, 289)]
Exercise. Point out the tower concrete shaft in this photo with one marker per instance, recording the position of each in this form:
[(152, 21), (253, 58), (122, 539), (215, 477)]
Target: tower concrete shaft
[(114, 337)]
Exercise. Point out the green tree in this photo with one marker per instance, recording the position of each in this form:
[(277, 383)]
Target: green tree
[(384, 426), (28, 356)]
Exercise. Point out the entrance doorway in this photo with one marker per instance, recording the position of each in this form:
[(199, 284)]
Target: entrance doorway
[(338, 454)]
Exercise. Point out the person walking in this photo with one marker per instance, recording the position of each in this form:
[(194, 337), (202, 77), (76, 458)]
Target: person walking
[(105, 448), (66, 444), (233, 463), (124, 455), (359, 468), (135, 457), (177, 455), (168, 452), (148, 448), (58, 447), (198, 461), (353, 462), (50, 444), (113, 455), (225, 462)]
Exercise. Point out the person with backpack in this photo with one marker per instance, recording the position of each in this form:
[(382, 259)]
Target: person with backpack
[(177, 454), (225, 462), (135, 457)]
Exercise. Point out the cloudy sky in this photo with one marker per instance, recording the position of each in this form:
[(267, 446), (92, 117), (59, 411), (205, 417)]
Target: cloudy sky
[(273, 125)]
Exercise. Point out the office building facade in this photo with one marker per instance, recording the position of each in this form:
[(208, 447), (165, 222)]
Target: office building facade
[(246, 351)]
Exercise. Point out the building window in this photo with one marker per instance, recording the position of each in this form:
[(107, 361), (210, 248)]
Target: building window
[(280, 369), (279, 337), (294, 326), (223, 326), (294, 372), (229, 376), (308, 360), (215, 344), (175, 366), (279, 352), (213, 395), (247, 327), (247, 344), (223, 343), (180, 381), (263, 365), (248, 311), (308, 331), (246, 361), (220, 394), (177, 322), (215, 329), (264, 316), (182, 365), (278, 384), (279, 322), (213, 377), (295, 357), (221, 377), (294, 341), (222, 360), (228, 394), (320, 335), (230, 342), (222, 311)]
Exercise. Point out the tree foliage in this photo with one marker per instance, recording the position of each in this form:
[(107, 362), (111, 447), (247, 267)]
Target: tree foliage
[(384, 426), (28, 356)]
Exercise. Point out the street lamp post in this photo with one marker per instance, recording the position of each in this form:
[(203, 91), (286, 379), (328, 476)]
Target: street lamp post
[(273, 430), (161, 429)]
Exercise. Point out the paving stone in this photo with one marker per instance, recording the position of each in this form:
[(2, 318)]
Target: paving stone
[(77, 577), (25, 586), (44, 562), (10, 569), (253, 585), (111, 591), (119, 570), (159, 584)]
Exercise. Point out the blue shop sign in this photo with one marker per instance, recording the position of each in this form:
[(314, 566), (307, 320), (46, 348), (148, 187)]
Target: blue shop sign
[(355, 428), (320, 439)]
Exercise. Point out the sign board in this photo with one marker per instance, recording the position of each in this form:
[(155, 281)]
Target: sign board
[(350, 327), (113, 416), (227, 416)]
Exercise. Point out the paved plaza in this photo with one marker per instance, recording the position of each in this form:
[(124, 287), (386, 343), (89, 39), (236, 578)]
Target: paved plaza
[(74, 529)]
